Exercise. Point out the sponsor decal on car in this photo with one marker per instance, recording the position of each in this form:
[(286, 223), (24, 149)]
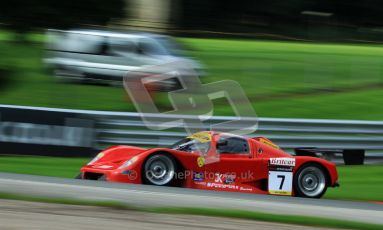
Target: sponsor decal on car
[(223, 186), (282, 161), (200, 161), (218, 178), (198, 176), (245, 189), (202, 183), (229, 180), (224, 178)]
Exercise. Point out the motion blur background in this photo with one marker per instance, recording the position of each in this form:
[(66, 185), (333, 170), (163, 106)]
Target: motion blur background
[(293, 58), (309, 59)]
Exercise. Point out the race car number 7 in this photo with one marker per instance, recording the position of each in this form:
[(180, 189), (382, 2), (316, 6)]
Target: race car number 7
[(280, 183), (282, 180)]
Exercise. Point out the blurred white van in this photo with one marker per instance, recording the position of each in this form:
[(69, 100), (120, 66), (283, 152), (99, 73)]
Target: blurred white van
[(104, 56)]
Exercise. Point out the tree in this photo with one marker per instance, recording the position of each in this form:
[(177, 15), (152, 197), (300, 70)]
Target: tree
[(25, 15)]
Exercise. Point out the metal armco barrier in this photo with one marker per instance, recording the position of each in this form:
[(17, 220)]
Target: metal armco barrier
[(287, 133), (32, 131), (113, 128)]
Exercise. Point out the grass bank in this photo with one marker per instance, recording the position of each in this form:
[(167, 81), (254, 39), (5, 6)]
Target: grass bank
[(281, 79)]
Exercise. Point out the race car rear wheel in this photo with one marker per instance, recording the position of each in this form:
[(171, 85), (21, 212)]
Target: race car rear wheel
[(159, 169), (310, 181)]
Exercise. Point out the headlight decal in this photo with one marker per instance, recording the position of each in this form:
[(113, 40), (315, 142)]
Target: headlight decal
[(98, 157), (129, 162)]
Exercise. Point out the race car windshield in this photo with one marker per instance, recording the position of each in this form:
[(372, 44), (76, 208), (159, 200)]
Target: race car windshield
[(191, 145)]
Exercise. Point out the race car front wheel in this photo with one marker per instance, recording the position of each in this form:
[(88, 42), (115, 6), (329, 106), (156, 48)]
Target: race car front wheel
[(159, 169), (310, 181)]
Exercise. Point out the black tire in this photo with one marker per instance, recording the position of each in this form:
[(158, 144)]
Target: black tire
[(78, 176), (160, 169), (102, 178), (310, 181)]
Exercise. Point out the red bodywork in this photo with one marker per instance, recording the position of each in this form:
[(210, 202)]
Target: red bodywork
[(247, 172)]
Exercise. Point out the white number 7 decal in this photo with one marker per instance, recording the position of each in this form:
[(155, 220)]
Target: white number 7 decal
[(280, 183)]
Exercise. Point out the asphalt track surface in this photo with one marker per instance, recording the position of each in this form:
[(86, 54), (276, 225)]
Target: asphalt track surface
[(154, 196), (20, 215)]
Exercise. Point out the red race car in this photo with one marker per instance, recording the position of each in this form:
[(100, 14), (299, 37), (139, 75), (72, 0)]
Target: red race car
[(216, 161)]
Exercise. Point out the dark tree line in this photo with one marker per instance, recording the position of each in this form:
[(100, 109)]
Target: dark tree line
[(208, 12), (24, 15), (244, 16)]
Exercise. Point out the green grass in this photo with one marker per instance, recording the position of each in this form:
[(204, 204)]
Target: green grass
[(269, 67), (359, 183), (304, 80), (356, 182), (363, 104), (31, 84), (240, 214), (42, 166)]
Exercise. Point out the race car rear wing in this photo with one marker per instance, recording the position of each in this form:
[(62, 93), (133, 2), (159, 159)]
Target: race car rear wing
[(350, 156)]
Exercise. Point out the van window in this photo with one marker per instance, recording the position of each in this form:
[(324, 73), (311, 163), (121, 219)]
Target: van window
[(150, 47), (77, 43), (121, 45)]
